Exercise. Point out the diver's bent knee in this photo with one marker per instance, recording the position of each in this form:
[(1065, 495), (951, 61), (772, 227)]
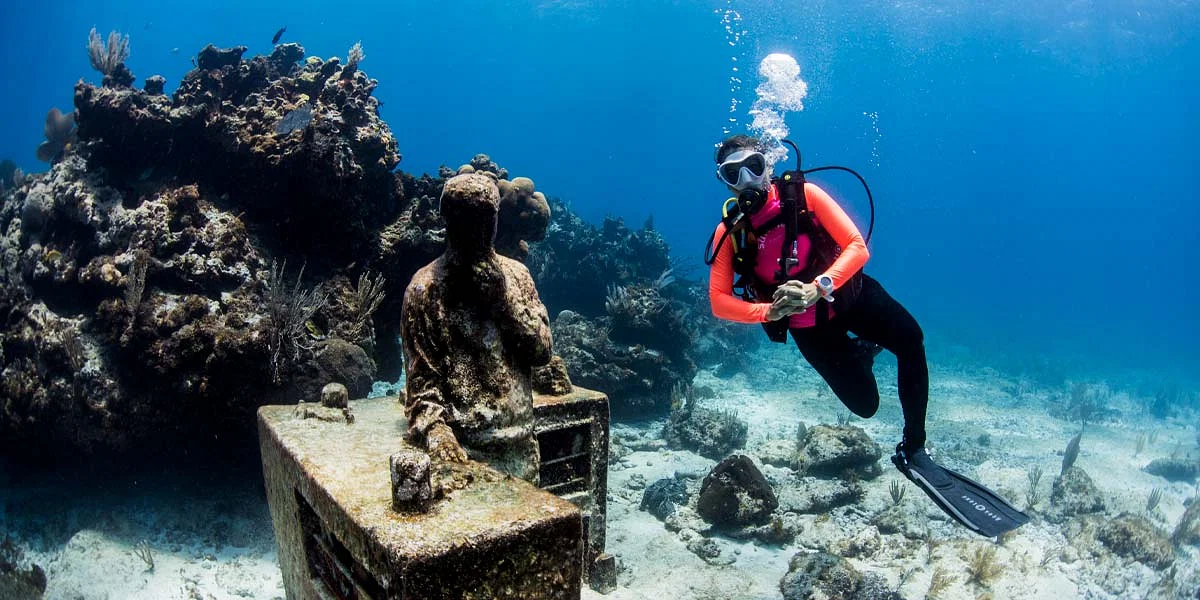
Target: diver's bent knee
[(865, 412), (912, 343), (864, 405)]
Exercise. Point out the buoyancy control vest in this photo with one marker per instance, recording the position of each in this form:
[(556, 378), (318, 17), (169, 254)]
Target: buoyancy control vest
[(797, 220), (806, 251)]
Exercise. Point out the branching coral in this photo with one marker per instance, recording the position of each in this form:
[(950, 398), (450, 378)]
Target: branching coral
[(72, 345), (664, 280), (368, 295), (356, 54), (107, 57), (983, 566), (353, 57), (682, 399), (289, 310), (1153, 499), (941, 581), (143, 551), (634, 303), (1033, 493), (618, 301), (1188, 529)]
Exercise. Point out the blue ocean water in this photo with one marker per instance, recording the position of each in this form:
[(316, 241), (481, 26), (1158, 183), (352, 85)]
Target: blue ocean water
[(1034, 165)]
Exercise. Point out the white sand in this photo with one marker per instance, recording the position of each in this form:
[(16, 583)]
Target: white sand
[(204, 551), (207, 543), (1038, 561)]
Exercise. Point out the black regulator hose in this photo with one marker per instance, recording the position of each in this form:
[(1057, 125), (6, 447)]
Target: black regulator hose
[(870, 197)]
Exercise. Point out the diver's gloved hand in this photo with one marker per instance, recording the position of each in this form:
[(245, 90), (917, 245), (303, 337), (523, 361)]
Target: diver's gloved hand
[(442, 445), (784, 306), (804, 294)]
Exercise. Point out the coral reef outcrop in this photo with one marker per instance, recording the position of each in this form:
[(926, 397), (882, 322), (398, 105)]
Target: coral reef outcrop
[(248, 238), (245, 240), (831, 451), (710, 433), (1134, 537), (625, 329), (1184, 469), (823, 575), (322, 189), (577, 263), (735, 493), (129, 317), (1073, 493), (638, 379), (15, 580), (663, 496)]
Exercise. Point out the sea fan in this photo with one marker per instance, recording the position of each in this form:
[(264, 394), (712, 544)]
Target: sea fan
[(106, 57), (59, 130)]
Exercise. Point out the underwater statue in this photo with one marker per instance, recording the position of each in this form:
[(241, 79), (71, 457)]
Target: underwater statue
[(473, 329)]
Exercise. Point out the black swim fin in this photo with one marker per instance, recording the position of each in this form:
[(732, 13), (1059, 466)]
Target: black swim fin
[(971, 504)]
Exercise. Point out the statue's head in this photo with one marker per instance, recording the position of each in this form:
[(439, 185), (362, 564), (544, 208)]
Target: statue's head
[(469, 205)]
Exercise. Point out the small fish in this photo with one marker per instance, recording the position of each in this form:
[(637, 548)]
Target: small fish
[(174, 50), (53, 255), (299, 118), (314, 331), (278, 34)]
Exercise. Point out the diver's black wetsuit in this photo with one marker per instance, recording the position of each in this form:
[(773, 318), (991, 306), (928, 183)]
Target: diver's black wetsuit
[(875, 317)]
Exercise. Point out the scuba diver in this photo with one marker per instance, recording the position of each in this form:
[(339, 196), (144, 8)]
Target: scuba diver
[(788, 257)]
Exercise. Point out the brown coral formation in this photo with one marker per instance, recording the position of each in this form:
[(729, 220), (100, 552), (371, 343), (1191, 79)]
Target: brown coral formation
[(525, 212), (130, 319), (243, 241), (332, 178), (473, 330), (59, 132)]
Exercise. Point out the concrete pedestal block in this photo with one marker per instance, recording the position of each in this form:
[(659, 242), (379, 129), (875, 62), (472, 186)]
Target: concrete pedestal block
[(329, 489), (572, 433)]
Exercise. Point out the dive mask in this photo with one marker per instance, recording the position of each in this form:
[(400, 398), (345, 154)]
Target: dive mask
[(744, 169)]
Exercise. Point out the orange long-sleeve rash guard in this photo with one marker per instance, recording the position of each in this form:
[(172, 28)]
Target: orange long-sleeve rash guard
[(830, 215)]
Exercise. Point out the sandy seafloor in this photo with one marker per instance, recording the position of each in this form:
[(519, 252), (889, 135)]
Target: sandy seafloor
[(212, 538)]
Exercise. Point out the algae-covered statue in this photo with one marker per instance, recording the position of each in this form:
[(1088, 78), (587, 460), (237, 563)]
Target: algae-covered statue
[(473, 329)]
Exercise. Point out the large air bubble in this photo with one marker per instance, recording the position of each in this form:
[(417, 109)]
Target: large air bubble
[(780, 91)]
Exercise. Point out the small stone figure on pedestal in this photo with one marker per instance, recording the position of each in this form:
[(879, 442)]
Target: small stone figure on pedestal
[(473, 329)]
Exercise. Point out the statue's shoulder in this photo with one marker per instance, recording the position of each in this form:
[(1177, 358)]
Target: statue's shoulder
[(422, 281), (514, 267)]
